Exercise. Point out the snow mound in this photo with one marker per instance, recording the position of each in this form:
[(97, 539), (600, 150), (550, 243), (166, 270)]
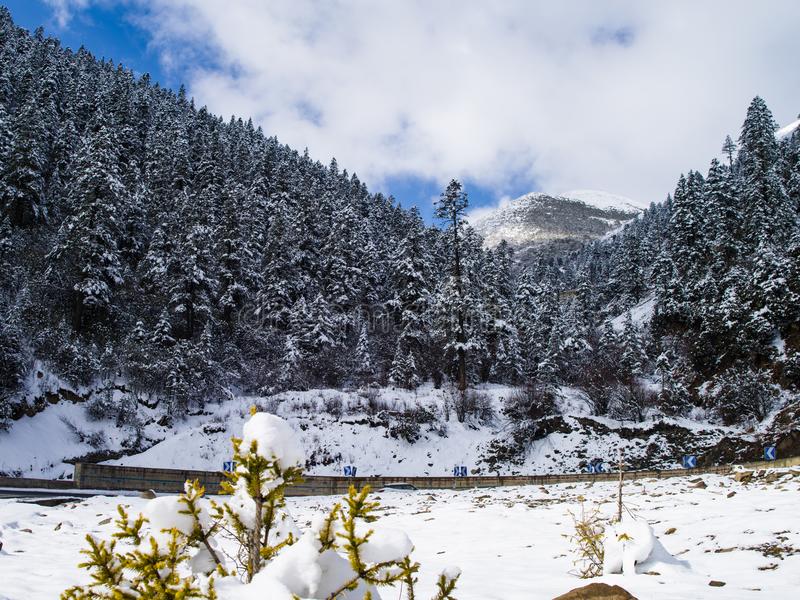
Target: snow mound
[(632, 545), (604, 200), (385, 545), (164, 513), (275, 438), (627, 544), (661, 561)]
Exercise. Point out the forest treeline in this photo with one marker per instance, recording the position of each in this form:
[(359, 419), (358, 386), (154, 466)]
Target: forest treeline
[(148, 241)]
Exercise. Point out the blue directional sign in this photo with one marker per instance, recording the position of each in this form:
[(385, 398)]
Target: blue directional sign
[(599, 468), (350, 471), (459, 471), (229, 466), (689, 461), (770, 453)]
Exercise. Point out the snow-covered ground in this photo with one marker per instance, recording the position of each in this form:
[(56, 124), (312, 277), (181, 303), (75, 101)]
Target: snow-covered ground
[(509, 542), (349, 428), (641, 314)]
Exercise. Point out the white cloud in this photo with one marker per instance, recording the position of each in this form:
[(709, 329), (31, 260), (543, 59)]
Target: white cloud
[(620, 96), (63, 10)]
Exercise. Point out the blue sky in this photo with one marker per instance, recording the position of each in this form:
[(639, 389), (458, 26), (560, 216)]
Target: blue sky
[(512, 97)]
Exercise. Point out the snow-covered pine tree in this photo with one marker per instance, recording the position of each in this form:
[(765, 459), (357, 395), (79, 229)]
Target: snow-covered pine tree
[(86, 259), (411, 304), (450, 209)]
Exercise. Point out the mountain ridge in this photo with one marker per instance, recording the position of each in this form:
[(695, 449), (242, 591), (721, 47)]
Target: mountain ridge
[(539, 217)]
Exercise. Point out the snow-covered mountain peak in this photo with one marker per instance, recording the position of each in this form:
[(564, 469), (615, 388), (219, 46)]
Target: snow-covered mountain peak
[(539, 217), (604, 200)]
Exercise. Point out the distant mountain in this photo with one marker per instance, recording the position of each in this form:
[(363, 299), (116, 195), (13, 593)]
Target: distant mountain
[(538, 218), (785, 132)]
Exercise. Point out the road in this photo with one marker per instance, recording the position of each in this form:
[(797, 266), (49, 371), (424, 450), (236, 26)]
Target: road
[(34, 494)]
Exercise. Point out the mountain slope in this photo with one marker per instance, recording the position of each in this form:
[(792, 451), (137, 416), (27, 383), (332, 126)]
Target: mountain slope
[(537, 217)]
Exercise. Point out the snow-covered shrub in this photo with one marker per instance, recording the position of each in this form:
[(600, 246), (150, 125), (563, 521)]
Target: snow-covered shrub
[(743, 394), (630, 402), (122, 409), (95, 439), (791, 369), (333, 406), (248, 546), (530, 402), (472, 404), (78, 361)]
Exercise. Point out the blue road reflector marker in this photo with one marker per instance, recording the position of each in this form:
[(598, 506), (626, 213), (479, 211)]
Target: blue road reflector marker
[(459, 471), (229, 466), (689, 461), (770, 453), (350, 471)]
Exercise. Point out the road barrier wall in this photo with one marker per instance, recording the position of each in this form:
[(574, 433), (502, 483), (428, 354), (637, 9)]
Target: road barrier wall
[(42, 484), (113, 477)]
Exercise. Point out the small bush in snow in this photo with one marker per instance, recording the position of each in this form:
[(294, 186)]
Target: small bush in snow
[(531, 402), (333, 406), (587, 539), (472, 404), (249, 546), (630, 402)]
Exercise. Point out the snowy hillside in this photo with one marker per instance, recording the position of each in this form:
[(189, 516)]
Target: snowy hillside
[(538, 217), (382, 432)]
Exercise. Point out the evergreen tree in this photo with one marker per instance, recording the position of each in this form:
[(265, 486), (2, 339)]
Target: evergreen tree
[(451, 208), (86, 256), (23, 179)]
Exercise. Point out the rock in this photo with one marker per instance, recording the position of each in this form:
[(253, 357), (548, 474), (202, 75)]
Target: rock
[(597, 591), (715, 583), (700, 485), (731, 494), (26, 531), (743, 476), (105, 521), (670, 531), (147, 494), (57, 527), (771, 477)]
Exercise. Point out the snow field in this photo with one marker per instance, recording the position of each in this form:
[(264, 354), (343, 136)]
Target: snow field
[(508, 542)]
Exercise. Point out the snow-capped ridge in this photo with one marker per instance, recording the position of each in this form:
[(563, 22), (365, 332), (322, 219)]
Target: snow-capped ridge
[(539, 217), (604, 200), (786, 131)]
